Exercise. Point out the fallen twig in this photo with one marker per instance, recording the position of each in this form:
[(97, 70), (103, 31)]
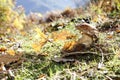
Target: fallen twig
[(65, 54), (108, 77)]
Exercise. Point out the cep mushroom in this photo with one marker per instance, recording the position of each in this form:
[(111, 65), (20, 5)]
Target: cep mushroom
[(88, 34)]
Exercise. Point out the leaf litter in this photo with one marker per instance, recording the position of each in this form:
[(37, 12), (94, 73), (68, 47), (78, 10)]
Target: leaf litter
[(67, 38)]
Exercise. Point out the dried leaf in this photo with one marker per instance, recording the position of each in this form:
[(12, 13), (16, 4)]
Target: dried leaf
[(95, 19), (41, 77), (7, 59), (12, 39), (38, 45), (3, 49), (62, 35), (11, 52), (40, 33), (118, 31), (110, 36), (44, 54), (30, 38), (18, 24), (23, 33), (69, 46)]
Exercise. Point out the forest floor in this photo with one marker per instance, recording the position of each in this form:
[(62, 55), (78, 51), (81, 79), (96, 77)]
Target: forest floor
[(36, 53)]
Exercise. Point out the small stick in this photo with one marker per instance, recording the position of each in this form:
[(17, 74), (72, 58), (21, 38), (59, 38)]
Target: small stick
[(75, 53), (11, 74), (102, 59), (108, 77)]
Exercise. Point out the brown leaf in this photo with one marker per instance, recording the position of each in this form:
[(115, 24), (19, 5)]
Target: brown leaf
[(118, 31), (6, 59), (110, 36), (38, 45), (68, 12), (3, 49), (62, 35), (69, 46), (41, 77), (23, 33)]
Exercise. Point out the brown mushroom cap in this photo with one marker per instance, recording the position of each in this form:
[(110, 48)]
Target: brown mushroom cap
[(86, 28)]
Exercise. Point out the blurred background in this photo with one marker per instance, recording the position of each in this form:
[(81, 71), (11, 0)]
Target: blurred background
[(43, 6)]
